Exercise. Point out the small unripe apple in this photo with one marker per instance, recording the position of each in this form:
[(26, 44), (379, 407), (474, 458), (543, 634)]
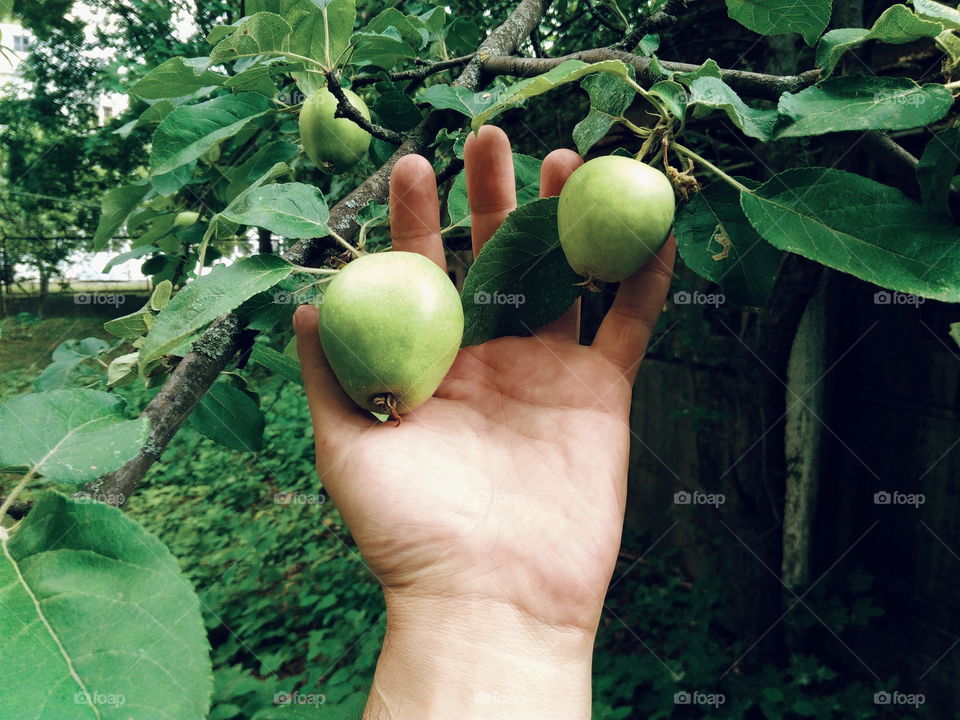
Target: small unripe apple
[(391, 324), (186, 218), (334, 144), (614, 214)]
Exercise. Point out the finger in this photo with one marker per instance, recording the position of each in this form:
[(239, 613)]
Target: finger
[(626, 330), (330, 407), (556, 168), (491, 188), (415, 209)]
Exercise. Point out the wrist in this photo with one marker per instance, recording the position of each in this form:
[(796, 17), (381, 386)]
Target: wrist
[(487, 660)]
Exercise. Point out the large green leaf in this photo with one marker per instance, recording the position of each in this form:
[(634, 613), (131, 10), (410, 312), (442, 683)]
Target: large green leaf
[(260, 33), (293, 210), (230, 416), (69, 435), (897, 25), (774, 17), (207, 298), (189, 131), (458, 98), (175, 78), (858, 226), (610, 96), (937, 169), (321, 28), (95, 613), (948, 16), (717, 242), (862, 102), (277, 362), (566, 72), (115, 208), (521, 281)]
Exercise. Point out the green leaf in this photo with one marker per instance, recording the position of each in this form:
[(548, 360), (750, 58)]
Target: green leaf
[(383, 49), (565, 72), (321, 30), (175, 78), (950, 44), (858, 226), (293, 210), (396, 110), (122, 370), (95, 611), (277, 362), (115, 208), (67, 359), (610, 96), (393, 18), (673, 95), (457, 97), (207, 298), (862, 102), (648, 45), (231, 417), (937, 169), (259, 78), (774, 17), (897, 25), (526, 174), (189, 131), (948, 16), (710, 68), (521, 281), (255, 35), (130, 327), (69, 435), (717, 242), (266, 157), (955, 333), (708, 93), (161, 295)]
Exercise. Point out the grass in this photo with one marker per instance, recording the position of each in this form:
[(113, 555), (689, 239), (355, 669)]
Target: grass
[(30, 288)]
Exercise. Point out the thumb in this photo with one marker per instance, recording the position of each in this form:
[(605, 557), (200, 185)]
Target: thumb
[(330, 407)]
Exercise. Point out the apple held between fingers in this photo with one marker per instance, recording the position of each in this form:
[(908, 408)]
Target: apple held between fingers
[(614, 214), (334, 144), (391, 324)]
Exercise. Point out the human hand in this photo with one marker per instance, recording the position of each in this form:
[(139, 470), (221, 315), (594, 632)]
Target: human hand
[(492, 515)]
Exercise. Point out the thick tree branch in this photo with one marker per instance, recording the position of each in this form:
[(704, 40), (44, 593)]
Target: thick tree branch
[(751, 84), (346, 109), (415, 74), (663, 18), (170, 408)]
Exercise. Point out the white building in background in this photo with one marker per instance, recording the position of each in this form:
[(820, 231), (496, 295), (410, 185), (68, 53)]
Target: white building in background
[(15, 42)]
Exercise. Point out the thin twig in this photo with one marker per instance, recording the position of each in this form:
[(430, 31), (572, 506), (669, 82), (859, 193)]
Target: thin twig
[(346, 109), (415, 74)]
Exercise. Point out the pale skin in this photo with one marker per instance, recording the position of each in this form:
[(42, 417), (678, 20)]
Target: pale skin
[(492, 515)]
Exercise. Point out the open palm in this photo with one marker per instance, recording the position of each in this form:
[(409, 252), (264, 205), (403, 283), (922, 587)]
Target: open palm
[(509, 485)]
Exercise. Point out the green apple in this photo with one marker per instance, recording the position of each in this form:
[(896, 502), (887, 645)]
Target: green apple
[(614, 215), (391, 324), (334, 144)]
